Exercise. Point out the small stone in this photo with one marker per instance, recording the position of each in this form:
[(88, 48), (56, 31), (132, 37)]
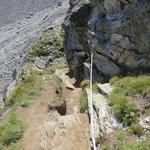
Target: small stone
[(69, 85), (147, 106), (116, 37), (31, 13), (40, 62), (147, 119), (59, 4), (28, 17), (62, 75), (125, 43)]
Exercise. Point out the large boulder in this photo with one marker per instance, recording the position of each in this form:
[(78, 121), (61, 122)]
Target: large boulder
[(118, 31)]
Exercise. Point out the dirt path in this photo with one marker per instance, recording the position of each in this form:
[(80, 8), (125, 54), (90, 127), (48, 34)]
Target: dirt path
[(51, 131)]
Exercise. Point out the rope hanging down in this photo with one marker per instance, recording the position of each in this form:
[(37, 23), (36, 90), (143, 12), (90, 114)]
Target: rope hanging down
[(91, 104)]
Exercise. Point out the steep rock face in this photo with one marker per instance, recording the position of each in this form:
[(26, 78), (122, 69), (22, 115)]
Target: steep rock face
[(118, 31)]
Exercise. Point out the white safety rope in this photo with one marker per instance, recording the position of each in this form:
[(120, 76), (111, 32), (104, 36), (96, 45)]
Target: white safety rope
[(91, 104)]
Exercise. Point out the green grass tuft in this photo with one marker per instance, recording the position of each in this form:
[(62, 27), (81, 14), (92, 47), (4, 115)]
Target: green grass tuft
[(85, 84), (51, 41), (40, 48), (14, 146), (25, 92), (51, 68), (124, 110), (11, 129), (136, 129), (130, 86)]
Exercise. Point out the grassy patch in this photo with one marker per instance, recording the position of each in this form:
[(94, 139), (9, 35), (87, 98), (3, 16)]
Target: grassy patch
[(95, 87), (29, 89), (83, 102), (136, 129), (50, 42), (14, 146), (51, 68), (11, 129), (26, 91), (125, 141), (40, 48), (124, 109), (130, 86), (85, 84)]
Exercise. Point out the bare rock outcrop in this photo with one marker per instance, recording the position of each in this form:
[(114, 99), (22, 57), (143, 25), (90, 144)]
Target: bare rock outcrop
[(118, 31)]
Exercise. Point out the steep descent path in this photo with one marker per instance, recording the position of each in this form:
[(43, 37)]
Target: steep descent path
[(48, 130), (16, 37)]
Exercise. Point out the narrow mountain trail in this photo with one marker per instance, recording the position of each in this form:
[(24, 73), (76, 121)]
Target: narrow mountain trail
[(47, 129)]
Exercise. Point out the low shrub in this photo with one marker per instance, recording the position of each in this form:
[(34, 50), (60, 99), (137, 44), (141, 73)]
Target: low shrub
[(50, 42), (136, 129), (124, 110), (128, 86), (84, 84), (40, 48)]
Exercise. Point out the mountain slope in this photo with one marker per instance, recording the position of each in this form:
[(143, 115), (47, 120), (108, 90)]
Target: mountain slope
[(17, 37)]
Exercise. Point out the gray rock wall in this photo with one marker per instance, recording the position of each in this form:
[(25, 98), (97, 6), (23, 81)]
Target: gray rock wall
[(118, 31)]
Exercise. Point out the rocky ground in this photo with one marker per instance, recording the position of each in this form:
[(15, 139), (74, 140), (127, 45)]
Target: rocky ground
[(20, 24)]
